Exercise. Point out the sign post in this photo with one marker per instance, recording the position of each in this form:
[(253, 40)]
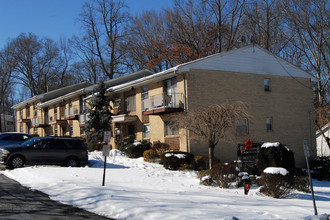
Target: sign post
[(106, 151), (306, 151)]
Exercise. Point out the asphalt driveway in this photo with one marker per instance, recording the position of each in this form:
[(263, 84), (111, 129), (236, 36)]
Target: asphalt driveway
[(18, 202)]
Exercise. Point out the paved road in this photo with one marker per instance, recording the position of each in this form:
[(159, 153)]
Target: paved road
[(18, 202)]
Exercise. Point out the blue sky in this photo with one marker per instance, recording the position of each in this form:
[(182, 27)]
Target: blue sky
[(53, 18)]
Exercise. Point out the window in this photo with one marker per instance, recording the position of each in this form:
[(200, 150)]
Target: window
[(130, 103), (116, 102), (145, 98), (71, 131), (267, 85), (35, 129), (55, 109), (56, 132), (146, 131), (21, 128), (70, 104), (171, 128), (241, 126), (21, 112), (269, 124)]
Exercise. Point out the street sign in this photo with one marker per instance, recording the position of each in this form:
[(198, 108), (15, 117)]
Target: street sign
[(107, 136), (106, 150)]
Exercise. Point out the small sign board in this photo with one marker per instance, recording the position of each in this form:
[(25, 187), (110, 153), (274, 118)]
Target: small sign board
[(106, 150), (106, 136)]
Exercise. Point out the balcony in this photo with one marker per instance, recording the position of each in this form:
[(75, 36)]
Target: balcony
[(24, 119), (71, 113), (83, 118), (163, 104), (56, 120), (40, 122)]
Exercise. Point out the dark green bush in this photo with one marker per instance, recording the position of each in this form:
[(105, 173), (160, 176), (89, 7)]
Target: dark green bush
[(175, 159), (224, 174), (276, 157), (150, 155), (321, 168), (131, 149), (276, 185)]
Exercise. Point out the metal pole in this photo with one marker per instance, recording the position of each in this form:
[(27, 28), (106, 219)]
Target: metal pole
[(309, 175), (105, 163)]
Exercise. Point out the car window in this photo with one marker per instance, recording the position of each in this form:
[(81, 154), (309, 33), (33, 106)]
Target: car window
[(43, 144), (9, 138), (25, 137), (76, 144), (31, 142), (58, 144)]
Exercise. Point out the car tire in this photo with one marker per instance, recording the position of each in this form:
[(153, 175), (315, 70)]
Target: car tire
[(16, 162), (71, 162)]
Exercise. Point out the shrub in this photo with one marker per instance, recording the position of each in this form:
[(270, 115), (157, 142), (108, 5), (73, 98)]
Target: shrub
[(160, 148), (150, 155), (176, 159), (321, 168), (276, 157), (205, 177), (224, 174), (133, 149), (276, 185), (202, 162), (301, 181)]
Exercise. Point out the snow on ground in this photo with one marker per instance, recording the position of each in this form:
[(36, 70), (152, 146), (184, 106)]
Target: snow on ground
[(135, 189)]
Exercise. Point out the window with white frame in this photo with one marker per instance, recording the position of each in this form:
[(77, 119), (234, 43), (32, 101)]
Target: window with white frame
[(171, 128), (267, 85), (241, 126), (269, 124), (146, 131), (21, 128), (145, 98)]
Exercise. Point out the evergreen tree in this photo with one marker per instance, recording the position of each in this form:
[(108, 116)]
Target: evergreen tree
[(99, 117)]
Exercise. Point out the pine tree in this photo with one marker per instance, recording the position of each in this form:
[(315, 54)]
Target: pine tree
[(99, 117)]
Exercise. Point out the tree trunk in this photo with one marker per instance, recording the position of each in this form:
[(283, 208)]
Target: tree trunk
[(211, 155)]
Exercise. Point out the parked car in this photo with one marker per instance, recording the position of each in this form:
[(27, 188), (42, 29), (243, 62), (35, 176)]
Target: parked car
[(45, 150), (8, 138)]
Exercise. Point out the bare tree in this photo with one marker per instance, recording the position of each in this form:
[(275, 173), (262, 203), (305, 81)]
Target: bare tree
[(35, 60), (102, 22), (309, 22), (214, 123), (7, 65)]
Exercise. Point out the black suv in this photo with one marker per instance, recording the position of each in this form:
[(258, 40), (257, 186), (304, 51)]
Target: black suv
[(45, 150)]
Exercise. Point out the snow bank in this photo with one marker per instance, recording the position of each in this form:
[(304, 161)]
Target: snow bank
[(276, 170), (137, 190)]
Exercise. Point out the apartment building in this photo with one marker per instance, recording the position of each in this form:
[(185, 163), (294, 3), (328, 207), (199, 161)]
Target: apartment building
[(278, 95)]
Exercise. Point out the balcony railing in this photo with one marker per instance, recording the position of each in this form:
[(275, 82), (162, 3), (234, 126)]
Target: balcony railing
[(83, 118), (40, 122), (174, 100), (71, 112)]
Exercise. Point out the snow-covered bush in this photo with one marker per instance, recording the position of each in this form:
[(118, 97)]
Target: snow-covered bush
[(174, 160), (275, 155), (224, 174), (132, 148), (150, 155), (276, 182), (205, 177)]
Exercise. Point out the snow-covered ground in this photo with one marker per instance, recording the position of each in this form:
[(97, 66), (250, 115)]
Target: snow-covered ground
[(135, 189)]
